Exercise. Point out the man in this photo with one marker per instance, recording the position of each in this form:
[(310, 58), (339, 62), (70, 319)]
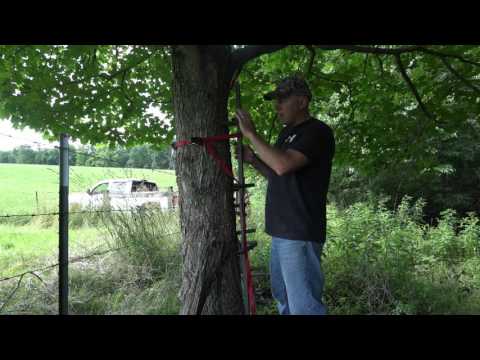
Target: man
[(298, 171)]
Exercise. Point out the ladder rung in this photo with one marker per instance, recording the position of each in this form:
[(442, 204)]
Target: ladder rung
[(237, 187), (237, 205), (248, 231), (250, 246)]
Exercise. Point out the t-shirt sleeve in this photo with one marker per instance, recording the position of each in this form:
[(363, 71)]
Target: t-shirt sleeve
[(316, 143)]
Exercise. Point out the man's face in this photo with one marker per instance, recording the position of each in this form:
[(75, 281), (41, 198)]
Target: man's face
[(289, 108)]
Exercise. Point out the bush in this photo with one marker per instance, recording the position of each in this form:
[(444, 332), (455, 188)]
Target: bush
[(379, 261)]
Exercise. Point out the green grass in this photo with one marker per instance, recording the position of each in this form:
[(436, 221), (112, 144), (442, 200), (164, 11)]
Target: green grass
[(142, 278), (28, 247), (23, 183)]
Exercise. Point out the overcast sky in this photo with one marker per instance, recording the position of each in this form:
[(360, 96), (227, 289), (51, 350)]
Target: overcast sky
[(10, 138), (16, 138)]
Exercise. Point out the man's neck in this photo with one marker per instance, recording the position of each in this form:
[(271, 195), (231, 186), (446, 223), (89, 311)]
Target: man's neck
[(300, 119)]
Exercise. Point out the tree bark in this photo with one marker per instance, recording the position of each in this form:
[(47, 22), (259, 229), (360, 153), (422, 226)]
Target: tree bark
[(209, 249)]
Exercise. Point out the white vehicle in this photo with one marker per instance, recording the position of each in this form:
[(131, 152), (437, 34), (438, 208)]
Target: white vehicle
[(124, 194)]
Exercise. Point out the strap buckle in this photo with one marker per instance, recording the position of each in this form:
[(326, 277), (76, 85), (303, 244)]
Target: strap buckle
[(197, 141)]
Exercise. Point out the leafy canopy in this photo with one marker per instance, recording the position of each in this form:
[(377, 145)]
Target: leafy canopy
[(106, 94)]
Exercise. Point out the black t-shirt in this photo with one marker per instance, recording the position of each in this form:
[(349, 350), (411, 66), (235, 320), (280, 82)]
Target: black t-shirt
[(296, 202)]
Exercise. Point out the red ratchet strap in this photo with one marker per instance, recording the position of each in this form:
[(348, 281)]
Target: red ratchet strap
[(208, 143)]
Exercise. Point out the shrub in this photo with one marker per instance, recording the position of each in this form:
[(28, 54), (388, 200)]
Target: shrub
[(379, 261)]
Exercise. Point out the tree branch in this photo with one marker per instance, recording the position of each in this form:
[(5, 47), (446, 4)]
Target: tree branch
[(12, 293), (342, 82), (395, 51), (125, 69), (241, 56), (122, 86), (412, 87), (39, 278), (312, 58), (380, 64), (457, 74), (349, 88), (453, 56), (113, 75), (371, 50), (365, 65)]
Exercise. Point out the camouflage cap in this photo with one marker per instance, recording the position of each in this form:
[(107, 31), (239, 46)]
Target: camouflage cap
[(292, 85)]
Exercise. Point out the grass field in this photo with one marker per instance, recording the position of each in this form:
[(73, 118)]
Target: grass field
[(23, 184), (28, 247), (36, 244)]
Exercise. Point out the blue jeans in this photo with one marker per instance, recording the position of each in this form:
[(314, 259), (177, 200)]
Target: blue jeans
[(296, 277)]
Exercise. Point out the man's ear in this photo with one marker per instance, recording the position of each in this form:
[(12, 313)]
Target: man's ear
[(303, 102)]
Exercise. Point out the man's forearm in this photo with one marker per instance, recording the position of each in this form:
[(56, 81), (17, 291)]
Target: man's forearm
[(262, 168), (271, 157)]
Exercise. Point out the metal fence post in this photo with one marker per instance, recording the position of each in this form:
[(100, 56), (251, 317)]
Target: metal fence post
[(63, 227), (36, 199)]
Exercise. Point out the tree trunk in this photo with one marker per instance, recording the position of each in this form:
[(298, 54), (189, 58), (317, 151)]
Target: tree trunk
[(210, 261)]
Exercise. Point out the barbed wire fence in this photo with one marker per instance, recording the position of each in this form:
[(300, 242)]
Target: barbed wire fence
[(62, 213), (35, 272)]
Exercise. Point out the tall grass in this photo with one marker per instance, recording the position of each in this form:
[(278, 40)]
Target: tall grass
[(141, 274), (148, 237)]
